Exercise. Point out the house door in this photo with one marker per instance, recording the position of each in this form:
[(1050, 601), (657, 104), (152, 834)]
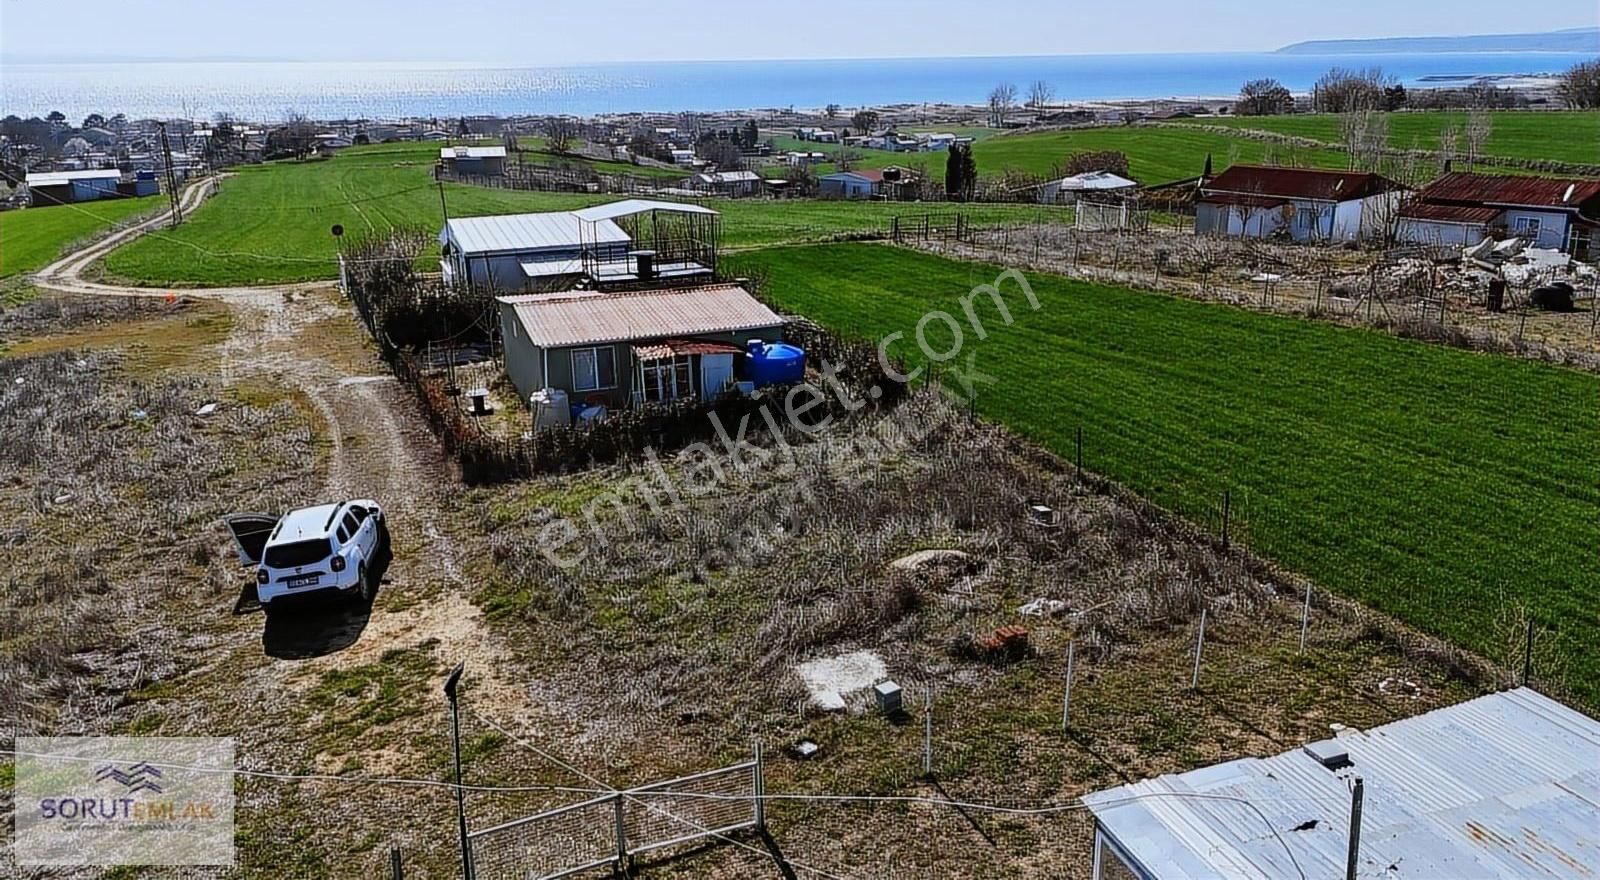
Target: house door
[(716, 371)]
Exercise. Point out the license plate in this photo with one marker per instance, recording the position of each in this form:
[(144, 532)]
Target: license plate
[(302, 581)]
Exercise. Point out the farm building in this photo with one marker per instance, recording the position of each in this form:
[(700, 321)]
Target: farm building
[(482, 161), (1069, 189), (62, 187), (627, 348), (621, 242), (1462, 209), (862, 184), (1259, 201), (1506, 785), (727, 183)]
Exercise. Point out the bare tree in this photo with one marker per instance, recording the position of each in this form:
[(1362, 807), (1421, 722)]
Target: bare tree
[(1001, 99), (559, 133), (1580, 86), (1449, 137), (1263, 97), (299, 133), (1343, 90), (1040, 94), (1479, 125), (1365, 137), (831, 111)]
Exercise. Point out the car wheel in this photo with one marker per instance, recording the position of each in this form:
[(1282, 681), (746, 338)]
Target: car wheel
[(364, 588)]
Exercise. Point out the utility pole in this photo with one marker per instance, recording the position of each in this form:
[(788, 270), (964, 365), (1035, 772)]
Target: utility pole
[(172, 177), (443, 208)]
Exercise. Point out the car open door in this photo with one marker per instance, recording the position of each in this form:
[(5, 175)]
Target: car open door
[(250, 532)]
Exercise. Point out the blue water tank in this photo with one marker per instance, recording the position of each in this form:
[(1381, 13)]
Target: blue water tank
[(774, 363)]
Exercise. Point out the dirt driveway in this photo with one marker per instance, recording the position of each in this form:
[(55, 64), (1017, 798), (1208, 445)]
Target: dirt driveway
[(315, 692)]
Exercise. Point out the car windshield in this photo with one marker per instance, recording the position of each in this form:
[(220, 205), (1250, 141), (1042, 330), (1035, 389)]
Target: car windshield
[(297, 553)]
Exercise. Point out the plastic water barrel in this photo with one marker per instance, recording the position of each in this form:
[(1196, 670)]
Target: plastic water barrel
[(775, 363)]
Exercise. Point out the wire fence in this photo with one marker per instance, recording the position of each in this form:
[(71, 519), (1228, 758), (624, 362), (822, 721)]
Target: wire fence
[(1415, 291), (610, 830)]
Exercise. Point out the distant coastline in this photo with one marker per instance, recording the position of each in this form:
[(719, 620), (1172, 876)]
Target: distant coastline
[(1578, 40), (393, 90)]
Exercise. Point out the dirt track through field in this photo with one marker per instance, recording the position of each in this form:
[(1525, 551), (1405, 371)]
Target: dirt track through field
[(304, 339)]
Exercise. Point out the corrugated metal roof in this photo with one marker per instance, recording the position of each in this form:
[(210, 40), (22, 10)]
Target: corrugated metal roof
[(1299, 183), (1496, 189), (1506, 785), (1095, 180), (56, 178), (513, 233), (589, 318), (1449, 213), (629, 207)]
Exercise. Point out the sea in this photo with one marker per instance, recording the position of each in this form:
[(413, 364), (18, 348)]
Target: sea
[(264, 91)]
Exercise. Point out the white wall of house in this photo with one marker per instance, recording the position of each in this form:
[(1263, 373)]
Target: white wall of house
[(1236, 221), (1552, 227), (1440, 232)]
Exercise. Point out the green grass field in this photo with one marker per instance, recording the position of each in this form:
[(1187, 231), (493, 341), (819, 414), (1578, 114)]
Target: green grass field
[(1434, 484), (272, 223), (1155, 155), (31, 238), (1560, 135)]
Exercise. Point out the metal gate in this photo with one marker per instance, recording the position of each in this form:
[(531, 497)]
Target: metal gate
[(607, 831)]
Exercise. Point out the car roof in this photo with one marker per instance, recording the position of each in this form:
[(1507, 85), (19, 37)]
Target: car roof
[(307, 522)]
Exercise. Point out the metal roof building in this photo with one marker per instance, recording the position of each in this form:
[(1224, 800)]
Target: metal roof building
[(587, 318), (1502, 786), (525, 233)]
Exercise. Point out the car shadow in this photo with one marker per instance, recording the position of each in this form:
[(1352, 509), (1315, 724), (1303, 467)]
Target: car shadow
[(315, 629), (318, 627)]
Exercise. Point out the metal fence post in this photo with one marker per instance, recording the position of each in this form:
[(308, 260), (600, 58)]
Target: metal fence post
[(622, 833), (396, 869), (1066, 697), (927, 734), (1305, 619), (1199, 646), (761, 789)]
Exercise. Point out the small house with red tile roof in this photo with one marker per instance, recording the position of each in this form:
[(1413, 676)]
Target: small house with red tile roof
[(1462, 208), (1304, 204)]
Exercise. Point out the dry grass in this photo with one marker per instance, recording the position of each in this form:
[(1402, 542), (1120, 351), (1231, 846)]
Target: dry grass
[(113, 492), (672, 642)]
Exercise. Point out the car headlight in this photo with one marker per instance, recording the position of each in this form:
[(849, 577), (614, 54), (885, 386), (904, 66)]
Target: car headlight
[(261, 576)]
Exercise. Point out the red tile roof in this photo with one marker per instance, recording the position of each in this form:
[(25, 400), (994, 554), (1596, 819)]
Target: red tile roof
[(873, 174), (1463, 187), (1299, 183)]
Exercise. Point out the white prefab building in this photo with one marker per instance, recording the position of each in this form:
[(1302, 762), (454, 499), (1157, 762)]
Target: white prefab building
[(1503, 786), (1069, 189), (550, 251), (1303, 204)]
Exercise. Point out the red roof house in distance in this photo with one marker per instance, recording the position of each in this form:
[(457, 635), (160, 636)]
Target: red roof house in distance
[(1305, 204), (1461, 208)]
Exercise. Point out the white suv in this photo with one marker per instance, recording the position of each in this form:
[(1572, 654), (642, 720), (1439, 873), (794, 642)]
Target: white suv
[(338, 548)]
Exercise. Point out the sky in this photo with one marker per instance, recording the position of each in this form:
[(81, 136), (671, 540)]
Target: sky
[(543, 32)]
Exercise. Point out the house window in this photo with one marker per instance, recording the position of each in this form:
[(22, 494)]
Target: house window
[(666, 379), (1527, 226), (593, 369)]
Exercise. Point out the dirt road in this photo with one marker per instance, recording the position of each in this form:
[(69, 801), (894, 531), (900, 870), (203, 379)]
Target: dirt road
[(304, 339)]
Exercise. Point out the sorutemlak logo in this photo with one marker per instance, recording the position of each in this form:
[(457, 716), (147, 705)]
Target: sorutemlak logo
[(124, 800)]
